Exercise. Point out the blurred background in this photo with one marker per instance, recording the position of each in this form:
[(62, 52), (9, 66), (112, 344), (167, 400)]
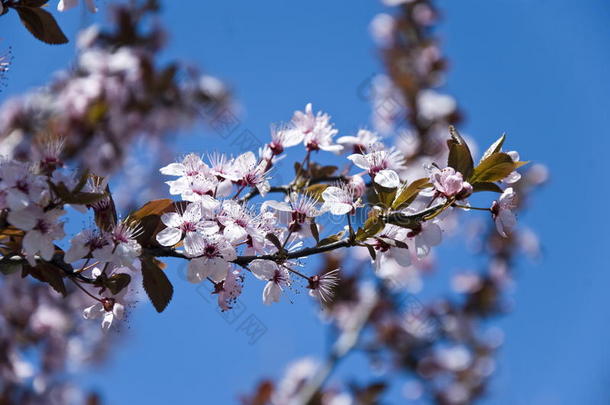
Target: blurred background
[(537, 70)]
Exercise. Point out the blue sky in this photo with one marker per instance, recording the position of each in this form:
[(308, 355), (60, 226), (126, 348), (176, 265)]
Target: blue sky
[(536, 69)]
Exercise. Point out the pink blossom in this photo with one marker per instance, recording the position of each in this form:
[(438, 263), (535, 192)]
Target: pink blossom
[(42, 230), (229, 290), (502, 212), (188, 224), (322, 286), (277, 278), (448, 182), (341, 200), (215, 253)]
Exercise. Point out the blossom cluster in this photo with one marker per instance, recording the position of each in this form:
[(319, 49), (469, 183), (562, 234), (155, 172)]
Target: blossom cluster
[(221, 234)]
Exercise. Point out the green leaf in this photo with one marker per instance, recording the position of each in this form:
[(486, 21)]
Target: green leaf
[(406, 195), (411, 221), (372, 226), (485, 186), (331, 239), (494, 168), (41, 24), (156, 284), (494, 148), (460, 157), (384, 196)]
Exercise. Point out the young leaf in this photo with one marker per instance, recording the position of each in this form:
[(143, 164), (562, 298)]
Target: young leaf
[(333, 238), (384, 196), (406, 195), (372, 226), (156, 284), (494, 148), (460, 157), (41, 24), (413, 220), (496, 167), (484, 186)]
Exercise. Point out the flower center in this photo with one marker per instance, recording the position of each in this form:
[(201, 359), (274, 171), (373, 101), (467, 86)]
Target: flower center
[(188, 226)]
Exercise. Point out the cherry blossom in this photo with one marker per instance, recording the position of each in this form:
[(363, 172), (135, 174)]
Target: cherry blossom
[(390, 245), (126, 248), (108, 308), (448, 182), (502, 212), (42, 230), (322, 286), (229, 290), (424, 237), (341, 200), (20, 186), (249, 172), (360, 143), (237, 222), (381, 166), (215, 253), (316, 130), (284, 137), (277, 278), (189, 224), (90, 241), (515, 176), (297, 212)]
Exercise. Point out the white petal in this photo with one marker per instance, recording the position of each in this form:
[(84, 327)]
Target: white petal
[(171, 219), (192, 213), (22, 219), (263, 269), (169, 236), (360, 161), (173, 169), (197, 271), (235, 233), (218, 269), (64, 5), (118, 310), (32, 242), (94, 311), (107, 321), (339, 208), (332, 194), (432, 234), (402, 256), (271, 293), (387, 178), (193, 243), (279, 205)]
